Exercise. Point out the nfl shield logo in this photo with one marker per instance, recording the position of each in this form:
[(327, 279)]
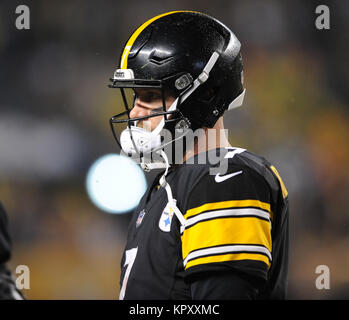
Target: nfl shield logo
[(140, 218), (166, 218)]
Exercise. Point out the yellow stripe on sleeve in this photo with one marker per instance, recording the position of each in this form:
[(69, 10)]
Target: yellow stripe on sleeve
[(227, 204), (229, 257), (226, 231)]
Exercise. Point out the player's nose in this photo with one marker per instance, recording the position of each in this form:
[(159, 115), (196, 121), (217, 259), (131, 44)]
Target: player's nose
[(138, 111)]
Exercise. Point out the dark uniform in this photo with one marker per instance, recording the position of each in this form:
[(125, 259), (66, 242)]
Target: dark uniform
[(235, 241), (8, 290)]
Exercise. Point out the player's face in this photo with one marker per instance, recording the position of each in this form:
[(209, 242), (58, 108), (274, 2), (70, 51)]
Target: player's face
[(148, 102)]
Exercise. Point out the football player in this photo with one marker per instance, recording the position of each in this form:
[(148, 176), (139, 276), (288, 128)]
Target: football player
[(8, 289), (206, 228)]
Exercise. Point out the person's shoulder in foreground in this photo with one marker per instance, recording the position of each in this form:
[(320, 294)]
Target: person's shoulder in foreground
[(214, 224), (8, 290)]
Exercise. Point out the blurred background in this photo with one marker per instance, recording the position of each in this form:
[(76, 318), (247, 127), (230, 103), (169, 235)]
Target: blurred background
[(54, 112)]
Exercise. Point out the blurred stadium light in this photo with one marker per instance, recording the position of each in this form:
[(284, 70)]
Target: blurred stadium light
[(115, 183)]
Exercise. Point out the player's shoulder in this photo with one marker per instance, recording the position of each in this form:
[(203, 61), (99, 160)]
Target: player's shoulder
[(224, 169), (218, 168), (224, 160), (243, 158), (259, 165)]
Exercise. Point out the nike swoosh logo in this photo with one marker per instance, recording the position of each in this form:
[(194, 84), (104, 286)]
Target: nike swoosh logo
[(219, 178)]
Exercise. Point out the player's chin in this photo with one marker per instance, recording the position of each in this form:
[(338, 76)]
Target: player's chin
[(144, 125)]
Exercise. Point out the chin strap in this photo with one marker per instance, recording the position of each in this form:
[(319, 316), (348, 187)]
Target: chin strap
[(167, 187), (152, 165)]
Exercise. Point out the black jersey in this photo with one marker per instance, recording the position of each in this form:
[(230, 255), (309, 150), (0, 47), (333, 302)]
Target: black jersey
[(236, 221)]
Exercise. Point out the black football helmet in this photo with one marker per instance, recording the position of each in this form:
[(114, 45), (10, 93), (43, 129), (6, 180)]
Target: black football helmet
[(191, 55)]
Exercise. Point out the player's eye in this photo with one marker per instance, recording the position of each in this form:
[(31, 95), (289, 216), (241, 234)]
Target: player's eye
[(156, 110), (151, 96)]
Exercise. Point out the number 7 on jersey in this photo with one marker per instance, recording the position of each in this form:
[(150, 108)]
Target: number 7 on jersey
[(129, 260)]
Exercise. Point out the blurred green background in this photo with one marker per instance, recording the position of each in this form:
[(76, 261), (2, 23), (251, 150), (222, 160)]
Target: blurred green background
[(54, 112)]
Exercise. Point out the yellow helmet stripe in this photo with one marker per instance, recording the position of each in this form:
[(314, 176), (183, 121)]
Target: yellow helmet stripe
[(130, 42)]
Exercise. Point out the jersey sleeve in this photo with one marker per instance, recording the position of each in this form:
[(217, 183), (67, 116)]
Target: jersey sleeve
[(228, 224)]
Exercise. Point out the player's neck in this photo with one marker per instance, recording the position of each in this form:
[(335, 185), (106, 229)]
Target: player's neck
[(212, 138)]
